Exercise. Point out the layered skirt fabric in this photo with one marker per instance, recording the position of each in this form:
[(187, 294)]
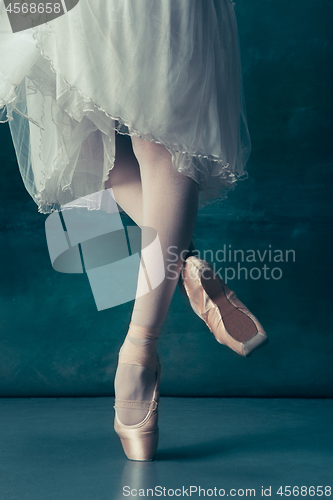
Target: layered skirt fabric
[(164, 70)]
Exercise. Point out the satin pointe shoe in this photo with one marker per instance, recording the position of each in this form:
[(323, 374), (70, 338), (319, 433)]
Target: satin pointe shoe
[(139, 441), (230, 321)]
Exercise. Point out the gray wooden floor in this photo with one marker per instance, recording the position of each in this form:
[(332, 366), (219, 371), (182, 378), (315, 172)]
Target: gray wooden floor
[(66, 448)]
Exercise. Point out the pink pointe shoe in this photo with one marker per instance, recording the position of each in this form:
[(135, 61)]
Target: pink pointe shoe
[(140, 440), (231, 323)]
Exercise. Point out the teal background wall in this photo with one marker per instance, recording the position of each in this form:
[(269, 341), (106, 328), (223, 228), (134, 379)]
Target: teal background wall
[(54, 342)]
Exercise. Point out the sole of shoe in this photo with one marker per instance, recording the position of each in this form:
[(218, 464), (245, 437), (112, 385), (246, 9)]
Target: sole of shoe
[(240, 329)]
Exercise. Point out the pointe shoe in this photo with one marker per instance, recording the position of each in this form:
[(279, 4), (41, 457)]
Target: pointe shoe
[(230, 321), (139, 441)]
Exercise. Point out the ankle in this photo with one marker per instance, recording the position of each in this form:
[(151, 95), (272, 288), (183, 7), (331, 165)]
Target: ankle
[(143, 332)]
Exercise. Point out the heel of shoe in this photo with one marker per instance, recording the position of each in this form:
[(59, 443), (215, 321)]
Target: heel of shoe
[(142, 449), (191, 251), (139, 441)]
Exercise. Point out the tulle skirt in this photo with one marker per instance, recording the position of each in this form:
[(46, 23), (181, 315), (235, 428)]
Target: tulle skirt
[(167, 71)]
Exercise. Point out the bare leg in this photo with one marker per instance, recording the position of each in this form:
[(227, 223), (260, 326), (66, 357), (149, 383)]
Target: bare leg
[(125, 179), (170, 203)]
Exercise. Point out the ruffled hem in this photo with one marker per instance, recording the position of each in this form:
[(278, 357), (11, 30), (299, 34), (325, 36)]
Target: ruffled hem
[(215, 189)]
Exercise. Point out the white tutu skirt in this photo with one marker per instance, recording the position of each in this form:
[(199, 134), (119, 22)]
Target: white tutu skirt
[(164, 70)]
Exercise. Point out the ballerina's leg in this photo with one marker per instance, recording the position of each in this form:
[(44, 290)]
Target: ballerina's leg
[(169, 205)]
